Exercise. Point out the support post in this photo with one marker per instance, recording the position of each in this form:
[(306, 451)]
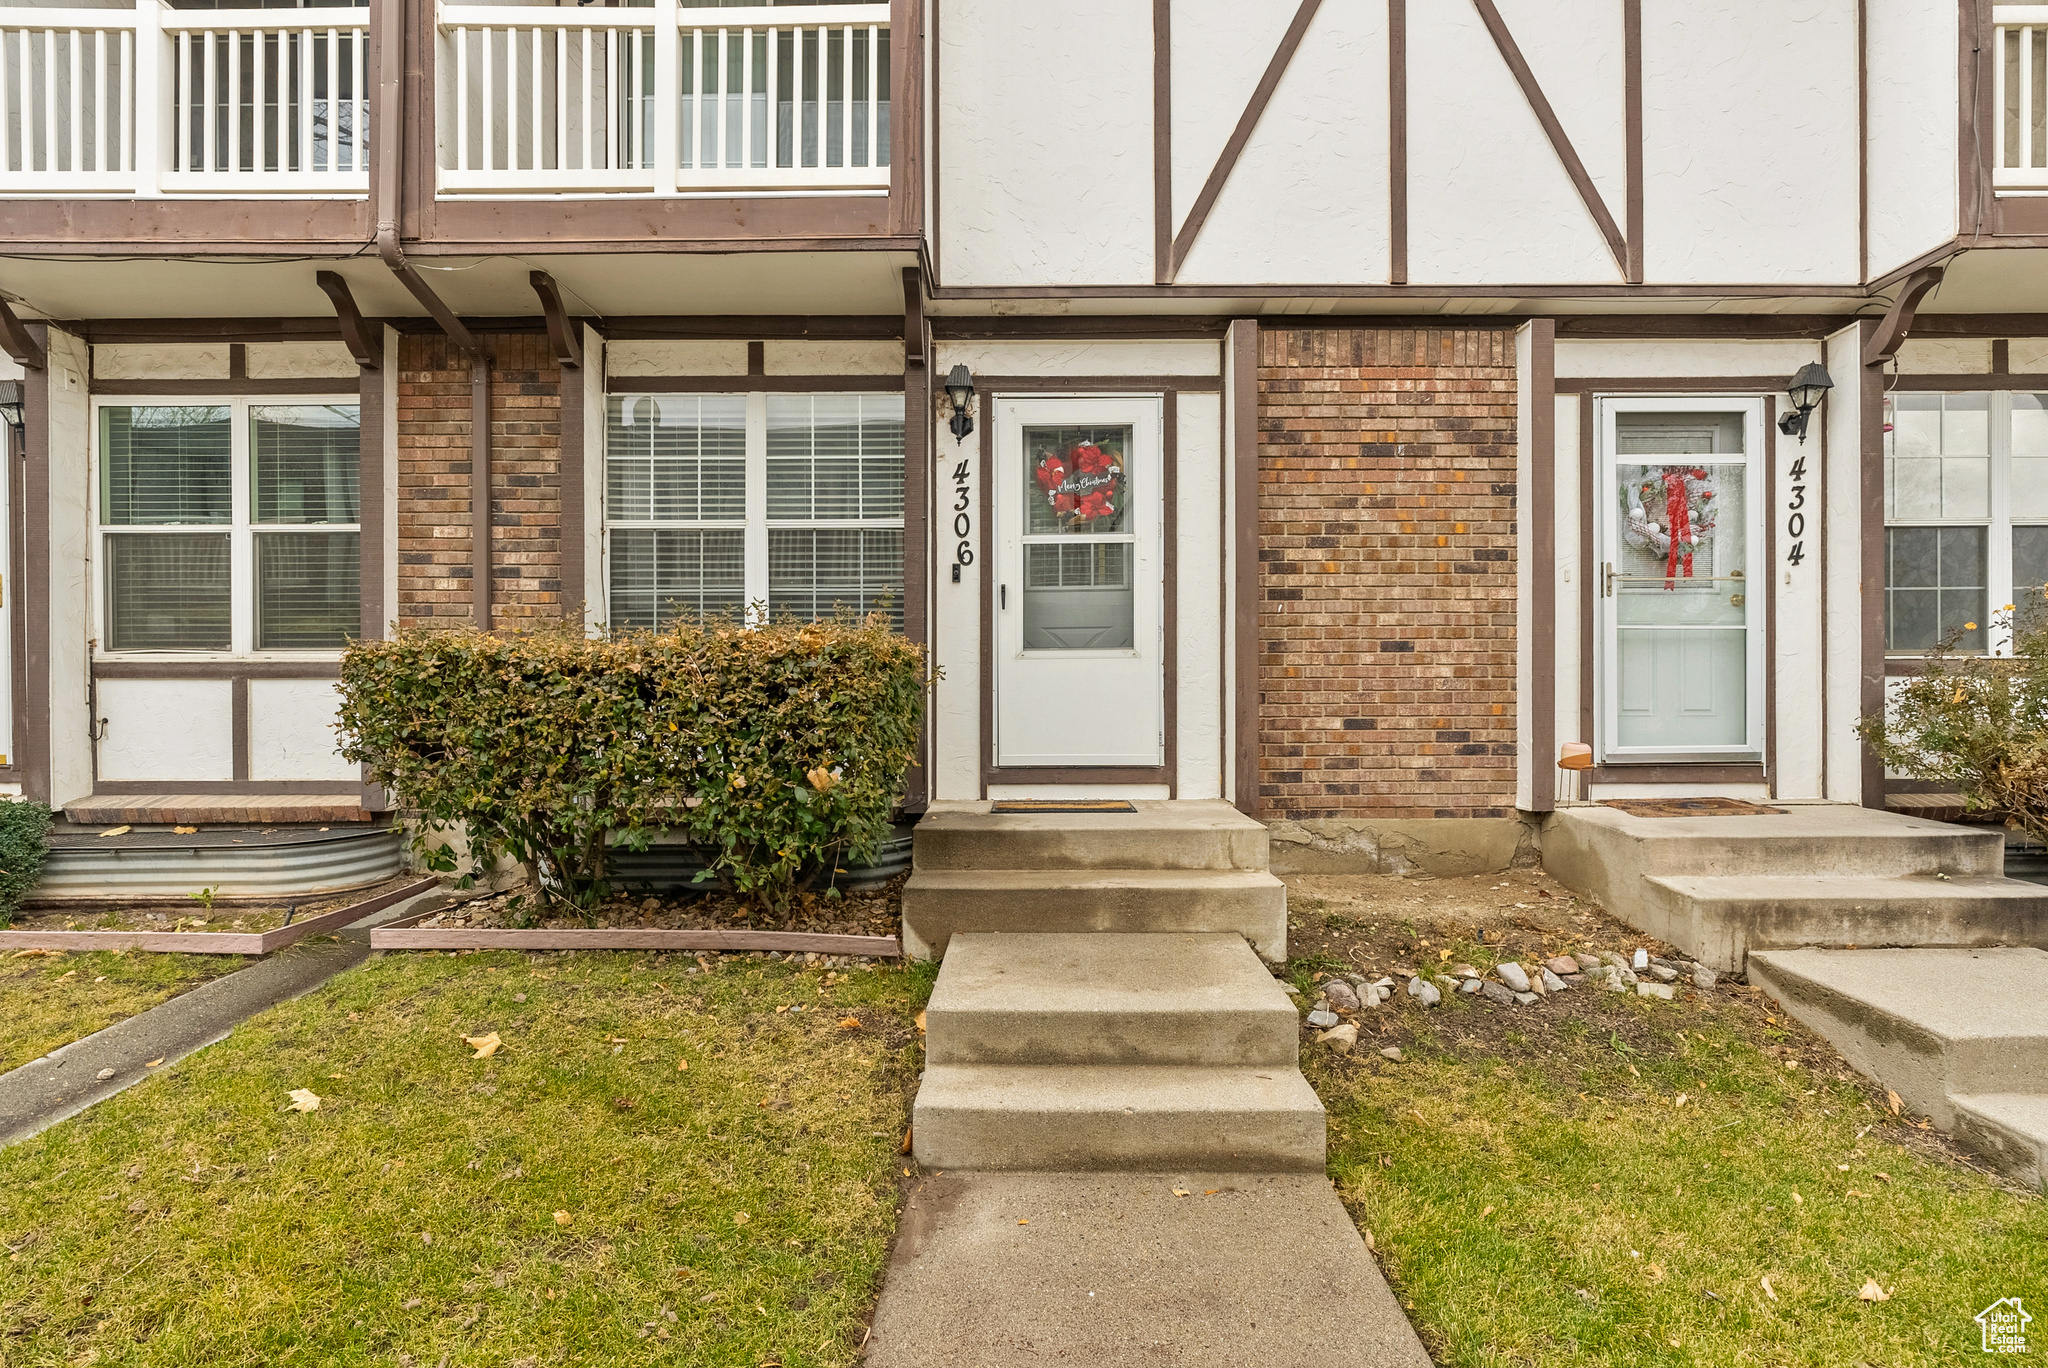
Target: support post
[(354, 332), (14, 334), (562, 329)]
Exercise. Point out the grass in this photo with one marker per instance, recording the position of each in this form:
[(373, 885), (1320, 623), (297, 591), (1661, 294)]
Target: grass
[(1542, 1197), (736, 1212), (54, 1000)]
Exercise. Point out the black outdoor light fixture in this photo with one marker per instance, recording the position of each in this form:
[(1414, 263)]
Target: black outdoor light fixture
[(960, 389), (1805, 391)]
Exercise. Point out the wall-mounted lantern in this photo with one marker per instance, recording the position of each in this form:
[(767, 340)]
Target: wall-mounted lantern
[(1805, 390), (960, 389)]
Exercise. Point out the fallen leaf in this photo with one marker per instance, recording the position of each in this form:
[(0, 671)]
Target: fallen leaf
[(920, 1023), (1487, 1212), (1797, 1200), (851, 1023), (484, 1045), (190, 831), (117, 831), (1885, 1176), (904, 1148), (1211, 1192), (1768, 1292), (1872, 1292), (1180, 1192), (1683, 1098), (563, 1218), (682, 1066), (1368, 1240), (741, 1218), (303, 1100), (1023, 1223), (154, 1062), (1892, 1102)]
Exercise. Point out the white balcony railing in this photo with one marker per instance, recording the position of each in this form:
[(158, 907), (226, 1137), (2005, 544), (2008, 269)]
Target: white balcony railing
[(2019, 82), (663, 100), (154, 101)]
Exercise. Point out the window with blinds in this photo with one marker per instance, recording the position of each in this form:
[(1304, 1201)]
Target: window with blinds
[(278, 482), (825, 530)]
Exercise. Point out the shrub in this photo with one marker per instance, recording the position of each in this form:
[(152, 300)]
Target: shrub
[(1979, 723), (24, 845), (775, 750)]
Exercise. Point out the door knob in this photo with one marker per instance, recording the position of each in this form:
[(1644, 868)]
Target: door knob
[(1737, 600)]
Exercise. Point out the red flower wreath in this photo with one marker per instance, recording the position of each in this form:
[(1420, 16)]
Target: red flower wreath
[(1054, 473)]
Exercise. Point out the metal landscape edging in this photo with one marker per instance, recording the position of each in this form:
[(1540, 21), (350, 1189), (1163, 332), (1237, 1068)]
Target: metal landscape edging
[(211, 942), (404, 935)]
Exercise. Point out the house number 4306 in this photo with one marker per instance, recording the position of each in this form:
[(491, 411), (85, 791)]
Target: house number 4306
[(1795, 513)]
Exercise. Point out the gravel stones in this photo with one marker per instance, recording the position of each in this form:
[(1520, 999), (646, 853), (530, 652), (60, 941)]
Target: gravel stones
[(1703, 977), (1393, 1052), (1663, 973), (1495, 993), (1513, 976), (1339, 1038), (1587, 961), (1342, 996), (1526, 999), (1470, 985), (1428, 994), (1656, 990), (1640, 960), (1561, 965), (1464, 971), (1551, 982), (1322, 1018)]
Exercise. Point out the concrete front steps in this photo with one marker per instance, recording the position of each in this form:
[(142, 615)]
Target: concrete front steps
[(1817, 874), (1167, 867), (1106, 1051), (1960, 1035)]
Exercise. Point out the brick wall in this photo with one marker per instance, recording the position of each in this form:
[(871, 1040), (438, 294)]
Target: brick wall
[(1387, 592), (434, 555)]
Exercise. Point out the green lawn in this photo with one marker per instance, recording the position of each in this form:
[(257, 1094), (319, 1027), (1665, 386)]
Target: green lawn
[(577, 1198), (1539, 1195), (47, 1001)]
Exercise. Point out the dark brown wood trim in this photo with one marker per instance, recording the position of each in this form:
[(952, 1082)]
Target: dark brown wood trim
[(1862, 164), (1226, 699), (238, 693), (14, 336), (1986, 380), (1898, 319), (1075, 774), (757, 358), (1976, 120), (1560, 143), (2001, 356), (906, 122), (279, 787), (1541, 512), (1613, 773), (102, 330), (1632, 120), (34, 522), (581, 226), (1742, 327), (754, 327), (1671, 384), (1094, 384), (480, 486), (1241, 459), (180, 227), (437, 308), (238, 361), (340, 384), (936, 227), (216, 669), (1590, 501), (1397, 142), (14, 450), (917, 467), (562, 330), (1772, 581), (1506, 293), (575, 513), (1162, 141), (1113, 327), (1169, 590), (1198, 212), (754, 384), (371, 394), (356, 334), (1870, 419)]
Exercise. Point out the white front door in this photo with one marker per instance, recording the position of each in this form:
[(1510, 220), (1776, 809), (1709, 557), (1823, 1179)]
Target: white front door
[(1078, 582), (1683, 585)]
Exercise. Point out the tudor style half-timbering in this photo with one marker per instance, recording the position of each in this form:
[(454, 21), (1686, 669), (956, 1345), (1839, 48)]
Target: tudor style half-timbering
[(1369, 400)]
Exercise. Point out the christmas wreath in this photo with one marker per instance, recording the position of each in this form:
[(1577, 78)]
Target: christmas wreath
[(1670, 511), (1084, 484)]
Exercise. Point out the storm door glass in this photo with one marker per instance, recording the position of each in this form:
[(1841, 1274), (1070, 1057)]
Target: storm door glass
[(1079, 540), (1678, 579)]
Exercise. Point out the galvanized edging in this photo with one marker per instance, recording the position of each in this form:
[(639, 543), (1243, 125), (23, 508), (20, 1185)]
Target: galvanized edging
[(401, 935), (211, 942)]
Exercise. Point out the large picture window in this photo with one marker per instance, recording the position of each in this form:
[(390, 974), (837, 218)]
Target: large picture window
[(229, 527), (1966, 515), (784, 504)]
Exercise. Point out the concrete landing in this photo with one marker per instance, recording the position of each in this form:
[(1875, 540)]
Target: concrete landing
[(1113, 1270), (1960, 1035)]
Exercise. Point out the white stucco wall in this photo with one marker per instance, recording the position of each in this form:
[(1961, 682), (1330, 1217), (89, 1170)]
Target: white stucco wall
[(1842, 489), (1047, 129), (1911, 50), (832, 358), (291, 731), (71, 567), (1586, 359), (676, 358), (1945, 356), (164, 361), (1796, 602), (1199, 574), (168, 729), (300, 361)]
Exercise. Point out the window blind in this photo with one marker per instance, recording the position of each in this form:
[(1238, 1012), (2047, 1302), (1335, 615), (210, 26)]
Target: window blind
[(676, 457), (835, 456), (819, 572), (169, 591), (660, 574), (166, 465), (307, 595), (305, 462)]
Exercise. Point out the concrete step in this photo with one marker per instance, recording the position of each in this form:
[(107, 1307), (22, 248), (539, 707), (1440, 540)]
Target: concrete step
[(1928, 1024), (940, 903), (2010, 1129), (1127, 1116), (1159, 835), (1722, 919), (1108, 999)]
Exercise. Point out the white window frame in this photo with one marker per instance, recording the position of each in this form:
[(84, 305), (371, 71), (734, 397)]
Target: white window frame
[(1757, 497), (755, 523), (241, 526), (1998, 521)]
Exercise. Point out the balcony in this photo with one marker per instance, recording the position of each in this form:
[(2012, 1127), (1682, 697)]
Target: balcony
[(667, 99), (159, 101), (2019, 77)]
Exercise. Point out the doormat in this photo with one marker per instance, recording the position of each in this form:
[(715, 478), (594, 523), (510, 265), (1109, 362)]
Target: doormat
[(1689, 807), (1062, 805)]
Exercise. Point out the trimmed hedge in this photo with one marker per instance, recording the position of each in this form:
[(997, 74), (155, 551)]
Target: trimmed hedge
[(1979, 723), (776, 750), (24, 845)]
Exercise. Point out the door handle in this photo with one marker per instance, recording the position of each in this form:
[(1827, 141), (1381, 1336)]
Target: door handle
[(1607, 579), (1003, 595)]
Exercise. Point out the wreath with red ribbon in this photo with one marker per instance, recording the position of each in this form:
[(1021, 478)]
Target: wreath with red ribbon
[(1084, 484)]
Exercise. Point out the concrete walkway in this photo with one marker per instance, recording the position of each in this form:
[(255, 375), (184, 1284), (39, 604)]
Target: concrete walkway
[(992, 1270)]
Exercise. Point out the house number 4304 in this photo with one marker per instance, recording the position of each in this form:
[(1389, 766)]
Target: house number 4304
[(1795, 513)]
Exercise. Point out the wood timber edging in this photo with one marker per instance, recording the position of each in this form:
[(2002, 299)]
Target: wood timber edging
[(402, 935), (211, 942)]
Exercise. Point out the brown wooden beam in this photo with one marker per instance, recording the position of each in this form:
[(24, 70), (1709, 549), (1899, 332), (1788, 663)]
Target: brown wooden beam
[(561, 328), (480, 485), (1898, 319), (354, 331), (20, 345)]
